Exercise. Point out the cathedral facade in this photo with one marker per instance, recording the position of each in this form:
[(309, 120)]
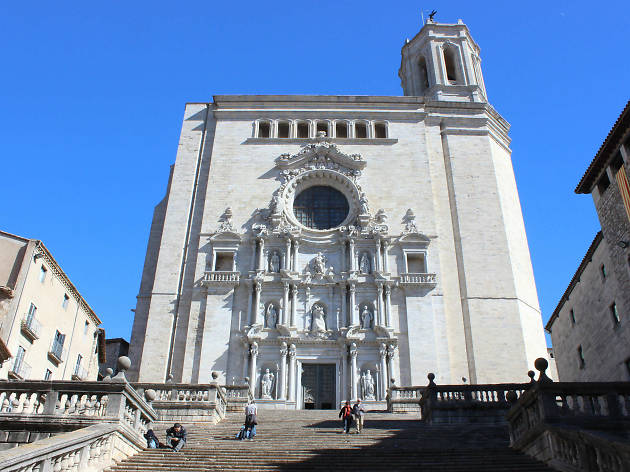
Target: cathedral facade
[(322, 247)]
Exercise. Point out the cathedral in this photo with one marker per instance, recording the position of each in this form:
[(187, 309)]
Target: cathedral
[(325, 248)]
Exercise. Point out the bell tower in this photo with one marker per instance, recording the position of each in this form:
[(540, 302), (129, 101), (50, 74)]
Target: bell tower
[(442, 63)]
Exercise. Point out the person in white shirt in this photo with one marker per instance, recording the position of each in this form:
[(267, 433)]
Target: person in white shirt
[(251, 413)]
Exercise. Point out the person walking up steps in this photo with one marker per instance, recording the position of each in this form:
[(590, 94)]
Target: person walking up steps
[(346, 416), (251, 413), (358, 411)]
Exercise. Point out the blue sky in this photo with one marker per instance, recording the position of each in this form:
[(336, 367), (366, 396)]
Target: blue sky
[(92, 96)]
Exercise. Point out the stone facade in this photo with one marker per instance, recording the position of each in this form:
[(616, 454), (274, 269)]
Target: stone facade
[(50, 330), (599, 294), (426, 270)]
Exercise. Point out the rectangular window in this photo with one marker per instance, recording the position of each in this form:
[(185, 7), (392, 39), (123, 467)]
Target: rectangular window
[(66, 300), (32, 311), (264, 129), (283, 130), (86, 327), (224, 262), (322, 126), (57, 344), (415, 264), (42, 274), (572, 316), (581, 357), (380, 131), (341, 130), (615, 313), (360, 130), (48, 375), (617, 163), (302, 130)]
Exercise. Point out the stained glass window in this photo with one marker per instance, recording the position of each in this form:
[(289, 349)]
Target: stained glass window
[(320, 207)]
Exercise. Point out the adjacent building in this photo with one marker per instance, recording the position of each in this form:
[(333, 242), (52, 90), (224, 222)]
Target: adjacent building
[(323, 247), (114, 348), (48, 329), (590, 327)]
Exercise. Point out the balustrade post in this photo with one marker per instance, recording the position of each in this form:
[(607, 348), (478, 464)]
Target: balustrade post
[(116, 405), (50, 405)]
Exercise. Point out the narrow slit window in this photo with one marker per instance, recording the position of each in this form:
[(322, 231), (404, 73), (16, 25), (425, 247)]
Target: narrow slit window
[(264, 129), (66, 300), (341, 130), (602, 271), (380, 130), (424, 75), (615, 313), (360, 130), (450, 59), (603, 183), (572, 316), (42, 274), (617, 163), (283, 130), (302, 130), (581, 360)]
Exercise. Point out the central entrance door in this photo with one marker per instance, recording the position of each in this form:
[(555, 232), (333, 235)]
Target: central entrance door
[(318, 386)]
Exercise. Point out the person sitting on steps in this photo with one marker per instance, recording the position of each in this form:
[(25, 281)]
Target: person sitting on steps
[(176, 437), (346, 416)]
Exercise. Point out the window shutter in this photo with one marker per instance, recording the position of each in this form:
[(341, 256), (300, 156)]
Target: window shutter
[(624, 189)]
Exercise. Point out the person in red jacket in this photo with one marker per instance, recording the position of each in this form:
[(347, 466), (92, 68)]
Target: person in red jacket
[(346, 416)]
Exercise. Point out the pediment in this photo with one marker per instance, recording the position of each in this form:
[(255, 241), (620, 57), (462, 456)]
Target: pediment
[(417, 238), (323, 154), (226, 236)]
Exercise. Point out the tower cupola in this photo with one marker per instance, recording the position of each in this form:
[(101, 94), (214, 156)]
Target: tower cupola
[(442, 62)]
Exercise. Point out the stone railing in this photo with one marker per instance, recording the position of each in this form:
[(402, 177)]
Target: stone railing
[(91, 449), (74, 426), (479, 403), (561, 423), (176, 402), (238, 396), (404, 399), (221, 278), (418, 279)]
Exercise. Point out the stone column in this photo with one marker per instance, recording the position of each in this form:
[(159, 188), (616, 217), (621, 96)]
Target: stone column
[(342, 268), (296, 248), (353, 371), (354, 318), (294, 302), (388, 306), (249, 304), (378, 256), (391, 360), (379, 304), (287, 255), (254, 259), (344, 304), (261, 254), (256, 306), (385, 256), (283, 371), (253, 353), (285, 304), (292, 379), (353, 264), (344, 375), (382, 355)]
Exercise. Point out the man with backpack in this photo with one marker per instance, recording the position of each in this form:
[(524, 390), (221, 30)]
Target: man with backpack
[(346, 416)]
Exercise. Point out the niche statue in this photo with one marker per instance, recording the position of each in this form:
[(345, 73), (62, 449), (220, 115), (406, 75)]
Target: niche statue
[(367, 385), (271, 316), (366, 318), (267, 384), (364, 264), (274, 262), (318, 319)]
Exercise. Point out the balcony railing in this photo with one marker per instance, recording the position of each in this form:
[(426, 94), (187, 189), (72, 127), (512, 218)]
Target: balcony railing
[(418, 279), (221, 277), (79, 373), (20, 370), (56, 353), (31, 328)]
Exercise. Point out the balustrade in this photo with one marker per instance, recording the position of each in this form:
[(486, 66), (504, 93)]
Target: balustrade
[(418, 279), (221, 278)]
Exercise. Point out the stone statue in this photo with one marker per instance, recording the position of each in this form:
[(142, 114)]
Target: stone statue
[(276, 205), (364, 264), (318, 321), (367, 385), (271, 316), (366, 318), (274, 262), (365, 210), (320, 264), (267, 384)]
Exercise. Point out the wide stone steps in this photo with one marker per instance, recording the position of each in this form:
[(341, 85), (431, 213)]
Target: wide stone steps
[(313, 440)]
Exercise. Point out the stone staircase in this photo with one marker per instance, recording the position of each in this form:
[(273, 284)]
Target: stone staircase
[(313, 440)]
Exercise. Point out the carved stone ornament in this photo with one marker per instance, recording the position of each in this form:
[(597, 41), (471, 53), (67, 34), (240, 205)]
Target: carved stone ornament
[(380, 217), (225, 222), (410, 222)]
